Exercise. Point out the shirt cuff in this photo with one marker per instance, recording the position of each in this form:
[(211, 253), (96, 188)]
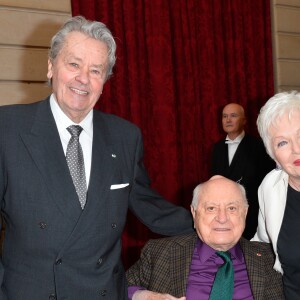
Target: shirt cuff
[(132, 289)]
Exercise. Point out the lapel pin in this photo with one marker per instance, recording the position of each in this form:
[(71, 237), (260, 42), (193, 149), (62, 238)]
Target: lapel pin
[(258, 254), (114, 155)]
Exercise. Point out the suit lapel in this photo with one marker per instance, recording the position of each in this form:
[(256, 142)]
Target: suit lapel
[(239, 161), (102, 168), (44, 145), (104, 163), (180, 261), (255, 268), (224, 159)]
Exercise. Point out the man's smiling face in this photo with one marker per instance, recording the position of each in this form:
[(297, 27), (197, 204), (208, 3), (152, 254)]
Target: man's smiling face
[(78, 74), (220, 214)]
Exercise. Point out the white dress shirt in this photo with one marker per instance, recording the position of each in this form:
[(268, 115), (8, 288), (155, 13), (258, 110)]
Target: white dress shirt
[(85, 138), (233, 145)]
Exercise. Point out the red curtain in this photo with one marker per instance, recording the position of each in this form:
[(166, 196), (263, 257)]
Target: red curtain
[(179, 62)]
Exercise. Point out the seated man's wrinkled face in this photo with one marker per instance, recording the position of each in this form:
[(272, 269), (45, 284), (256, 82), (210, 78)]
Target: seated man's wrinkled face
[(221, 213)]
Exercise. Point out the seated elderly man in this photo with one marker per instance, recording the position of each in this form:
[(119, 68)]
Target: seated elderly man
[(214, 263)]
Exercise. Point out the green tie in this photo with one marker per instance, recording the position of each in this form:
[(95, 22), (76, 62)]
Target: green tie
[(223, 285)]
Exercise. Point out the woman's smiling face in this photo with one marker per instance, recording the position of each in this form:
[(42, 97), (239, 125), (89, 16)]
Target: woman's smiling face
[(285, 143)]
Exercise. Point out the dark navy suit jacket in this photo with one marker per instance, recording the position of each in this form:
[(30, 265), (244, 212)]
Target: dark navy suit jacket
[(52, 248)]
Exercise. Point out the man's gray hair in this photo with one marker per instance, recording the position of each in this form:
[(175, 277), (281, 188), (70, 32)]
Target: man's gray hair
[(93, 29)]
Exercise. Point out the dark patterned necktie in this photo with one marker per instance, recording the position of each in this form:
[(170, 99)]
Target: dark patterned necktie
[(75, 163), (224, 281)]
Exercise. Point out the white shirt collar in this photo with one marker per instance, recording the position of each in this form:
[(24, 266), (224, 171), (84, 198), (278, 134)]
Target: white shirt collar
[(282, 175), (63, 121), (237, 139)]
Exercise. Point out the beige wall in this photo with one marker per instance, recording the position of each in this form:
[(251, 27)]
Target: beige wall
[(26, 29), (286, 44)]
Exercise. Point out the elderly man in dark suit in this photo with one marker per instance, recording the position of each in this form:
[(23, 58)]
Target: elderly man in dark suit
[(243, 158), (185, 267), (68, 175)]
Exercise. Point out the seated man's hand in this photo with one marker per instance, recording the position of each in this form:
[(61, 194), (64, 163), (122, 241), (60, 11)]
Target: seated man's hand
[(147, 295)]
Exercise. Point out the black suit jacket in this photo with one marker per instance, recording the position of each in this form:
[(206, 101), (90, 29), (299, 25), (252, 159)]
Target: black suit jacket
[(249, 166), (52, 247), (164, 267)]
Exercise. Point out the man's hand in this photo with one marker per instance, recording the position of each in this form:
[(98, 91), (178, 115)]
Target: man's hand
[(147, 295)]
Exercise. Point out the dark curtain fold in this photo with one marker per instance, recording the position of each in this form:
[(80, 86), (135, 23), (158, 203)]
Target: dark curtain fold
[(179, 62)]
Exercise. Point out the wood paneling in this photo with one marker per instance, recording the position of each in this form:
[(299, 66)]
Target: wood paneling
[(287, 2), (288, 19), (288, 72), (50, 5), (288, 46), (24, 64), (29, 28), (19, 92), (283, 88)]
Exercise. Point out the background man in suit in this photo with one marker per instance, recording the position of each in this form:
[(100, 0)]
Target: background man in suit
[(241, 157), (185, 266), (63, 240)]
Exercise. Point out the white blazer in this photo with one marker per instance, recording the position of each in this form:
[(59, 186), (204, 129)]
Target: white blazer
[(272, 195)]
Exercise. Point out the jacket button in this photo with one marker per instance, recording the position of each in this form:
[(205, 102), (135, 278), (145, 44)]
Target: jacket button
[(52, 297), (103, 293), (58, 262), (42, 225), (113, 225), (99, 262)]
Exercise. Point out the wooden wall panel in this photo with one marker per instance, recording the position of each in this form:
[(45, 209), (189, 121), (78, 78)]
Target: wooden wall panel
[(288, 72), (29, 64), (286, 88), (50, 5), (288, 46), (28, 28), (288, 19), (287, 2), (21, 93)]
